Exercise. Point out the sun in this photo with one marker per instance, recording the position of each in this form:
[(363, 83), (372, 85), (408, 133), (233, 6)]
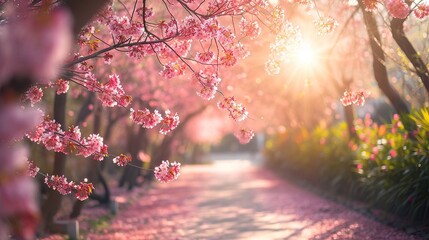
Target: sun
[(306, 58), (305, 55)]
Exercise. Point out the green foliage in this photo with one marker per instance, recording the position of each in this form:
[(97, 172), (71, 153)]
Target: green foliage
[(321, 156), (387, 165)]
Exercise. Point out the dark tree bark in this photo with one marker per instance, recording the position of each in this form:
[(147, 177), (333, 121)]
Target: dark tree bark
[(349, 115), (397, 27), (83, 11), (380, 71), (135, 142), (93, 171), (85, 111), (52, 204), (105, 197), (349, 111)]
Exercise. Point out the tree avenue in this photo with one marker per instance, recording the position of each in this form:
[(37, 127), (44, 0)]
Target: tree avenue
[(164, 70)]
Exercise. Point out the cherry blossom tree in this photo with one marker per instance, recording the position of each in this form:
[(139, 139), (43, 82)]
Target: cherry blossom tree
[(138, 29), (150, 61)]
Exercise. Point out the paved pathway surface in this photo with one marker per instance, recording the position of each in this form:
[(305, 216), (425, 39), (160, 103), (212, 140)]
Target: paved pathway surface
[(235, 200)]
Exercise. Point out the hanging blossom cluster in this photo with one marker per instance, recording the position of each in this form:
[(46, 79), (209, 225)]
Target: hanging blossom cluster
[(64, 187), (397, 8), (62, 86), (422, 11), (325, 25), (180, 35), (205, 57), (167, 172), (60, 183), (34, 95), (207, 80), (50, 134), (235, 109), (173, 70), (110, 93), (122, 160), (249, 29), (149, 120), (354, 97), (287, 40), (173, 49), (244, 135), (32, 169), (169, 122)]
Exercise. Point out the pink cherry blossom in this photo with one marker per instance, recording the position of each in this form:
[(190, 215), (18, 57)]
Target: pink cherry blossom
[(235, 109), (52, 142), (83, 190), (64, 187), (354, 97), (34, 94), (167, 172), (73, 134), (205, 57), (169, 122), (62, 86), (226, 102), (91, 145), (122, 160), (250, 29), (207, 92), (228, 59), (146, 118), (421, 11), (397, 8), (32, 169), (124, 100), (172, 70), (59, 183)]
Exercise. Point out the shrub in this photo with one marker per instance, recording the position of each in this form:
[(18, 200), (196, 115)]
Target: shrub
[(387, 165)]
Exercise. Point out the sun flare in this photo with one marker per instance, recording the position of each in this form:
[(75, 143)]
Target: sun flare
[(305, 55)]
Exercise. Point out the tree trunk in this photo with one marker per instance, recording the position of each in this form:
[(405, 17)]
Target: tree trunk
[(83, 11), (349, 115), (397, 27), (104, 198), (85, 111), (93, 166), (136, 142), (380, 71), (53, 202)]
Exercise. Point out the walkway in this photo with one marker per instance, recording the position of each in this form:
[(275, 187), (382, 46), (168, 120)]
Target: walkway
[(234, 200)]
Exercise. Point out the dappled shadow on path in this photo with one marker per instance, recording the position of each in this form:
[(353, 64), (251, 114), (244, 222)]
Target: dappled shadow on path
[(234, 200)]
